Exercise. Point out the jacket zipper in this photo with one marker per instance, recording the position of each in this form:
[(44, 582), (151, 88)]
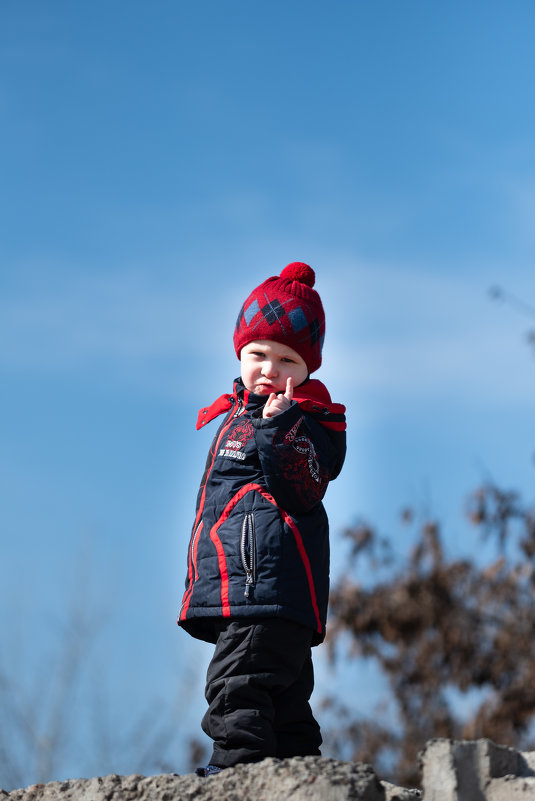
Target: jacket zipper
[(235, 413), (239, 409), (192, 548), (231, 416), (248, 551), (195, 575)]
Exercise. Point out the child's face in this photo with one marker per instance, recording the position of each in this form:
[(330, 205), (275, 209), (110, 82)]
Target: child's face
[(266, 366)]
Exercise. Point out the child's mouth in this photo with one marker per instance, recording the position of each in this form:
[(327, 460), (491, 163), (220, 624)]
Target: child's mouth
[(264, 389)]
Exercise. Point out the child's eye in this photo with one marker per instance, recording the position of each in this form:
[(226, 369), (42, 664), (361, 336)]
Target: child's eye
[(287, 359)]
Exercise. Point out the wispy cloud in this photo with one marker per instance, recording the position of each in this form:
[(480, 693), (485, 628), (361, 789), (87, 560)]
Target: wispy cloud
[(405, 334), (142, 329), (417, 335)]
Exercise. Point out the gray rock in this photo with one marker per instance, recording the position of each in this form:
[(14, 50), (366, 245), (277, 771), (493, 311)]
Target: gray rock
[(394, 793), (476, 770), (510, 788), (299, 779)]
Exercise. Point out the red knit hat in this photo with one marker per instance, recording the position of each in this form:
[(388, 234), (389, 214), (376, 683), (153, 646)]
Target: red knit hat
[(285, 309)]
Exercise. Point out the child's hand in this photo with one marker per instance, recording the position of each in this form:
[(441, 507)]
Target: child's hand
[(276, 404)]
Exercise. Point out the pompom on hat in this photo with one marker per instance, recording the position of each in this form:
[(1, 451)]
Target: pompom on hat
[(285, 309)]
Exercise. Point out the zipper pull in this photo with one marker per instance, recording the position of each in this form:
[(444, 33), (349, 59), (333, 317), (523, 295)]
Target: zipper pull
[(248, 584)]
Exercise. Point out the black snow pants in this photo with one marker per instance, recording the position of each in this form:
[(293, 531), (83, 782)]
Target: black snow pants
[(258, 687)]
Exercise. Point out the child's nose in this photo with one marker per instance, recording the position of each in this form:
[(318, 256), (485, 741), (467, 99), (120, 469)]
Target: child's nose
[(269, 369)]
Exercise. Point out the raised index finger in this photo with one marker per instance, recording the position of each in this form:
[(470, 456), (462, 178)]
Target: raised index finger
[(289, 389)]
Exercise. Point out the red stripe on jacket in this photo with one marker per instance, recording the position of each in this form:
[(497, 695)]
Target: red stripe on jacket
[(225, 605), (192, 561)]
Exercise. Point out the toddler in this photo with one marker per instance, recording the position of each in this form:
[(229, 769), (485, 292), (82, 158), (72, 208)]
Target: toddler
[(258, 559)]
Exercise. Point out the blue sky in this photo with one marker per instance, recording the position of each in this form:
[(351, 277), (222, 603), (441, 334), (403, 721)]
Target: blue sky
[(158, 162)]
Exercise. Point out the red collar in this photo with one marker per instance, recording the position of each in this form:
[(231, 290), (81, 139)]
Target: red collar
[(312, 396)]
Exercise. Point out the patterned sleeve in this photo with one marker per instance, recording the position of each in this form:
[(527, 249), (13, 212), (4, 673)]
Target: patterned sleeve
[(298, 458)]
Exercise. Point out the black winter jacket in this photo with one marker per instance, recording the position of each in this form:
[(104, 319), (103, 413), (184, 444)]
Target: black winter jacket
[(259, 545)]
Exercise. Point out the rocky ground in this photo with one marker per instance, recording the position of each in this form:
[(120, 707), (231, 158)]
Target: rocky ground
[(451, 771)]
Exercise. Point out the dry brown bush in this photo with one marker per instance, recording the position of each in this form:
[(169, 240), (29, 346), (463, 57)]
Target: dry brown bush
[(437, 625)]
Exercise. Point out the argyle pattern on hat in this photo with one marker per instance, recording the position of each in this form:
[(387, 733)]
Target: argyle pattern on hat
[(274, 312), (282, 320), (285, 309)]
